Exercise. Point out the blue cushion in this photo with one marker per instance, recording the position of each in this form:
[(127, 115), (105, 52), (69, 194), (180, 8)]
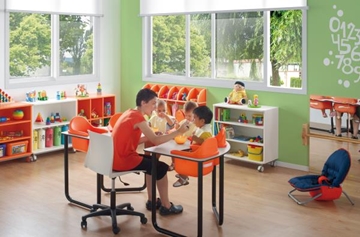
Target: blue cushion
[(305, 183)]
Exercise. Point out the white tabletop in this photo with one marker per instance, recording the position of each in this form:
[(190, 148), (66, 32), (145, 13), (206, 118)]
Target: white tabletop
[(167, 147)]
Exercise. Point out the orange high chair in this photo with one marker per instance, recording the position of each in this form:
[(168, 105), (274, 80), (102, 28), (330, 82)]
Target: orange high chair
[(80, 126), (113, 120), (190, 168)]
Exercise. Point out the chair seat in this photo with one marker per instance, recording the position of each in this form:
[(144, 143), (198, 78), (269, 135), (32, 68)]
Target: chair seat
[(305, 183)]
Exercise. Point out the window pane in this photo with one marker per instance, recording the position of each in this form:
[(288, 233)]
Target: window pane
[(200, 45), (239, 46), (168, 49), (286, 48), (30, 45), (76, 45)]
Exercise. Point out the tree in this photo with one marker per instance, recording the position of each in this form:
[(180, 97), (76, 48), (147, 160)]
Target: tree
[(30, 43), (285, 41), (75, 32)]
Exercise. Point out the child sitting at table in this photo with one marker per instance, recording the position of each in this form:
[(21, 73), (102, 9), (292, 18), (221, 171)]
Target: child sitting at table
[(188, 109), (202, 120), (160, 122)]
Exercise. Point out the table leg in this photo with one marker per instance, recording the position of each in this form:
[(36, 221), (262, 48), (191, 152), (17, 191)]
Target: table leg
[(200, 198), (219, 215), (66, 174)]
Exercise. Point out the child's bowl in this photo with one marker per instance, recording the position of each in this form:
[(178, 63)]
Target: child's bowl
[(180, 139)]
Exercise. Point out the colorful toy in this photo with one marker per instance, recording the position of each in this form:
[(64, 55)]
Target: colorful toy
[(48, 122), (255, 103), (39, 118), (3, 119), (81, 91), (98, 90), (31, 96), (18, 114), (237, 95), (42, 95), (242, 118), (4, 98), (82, 113)]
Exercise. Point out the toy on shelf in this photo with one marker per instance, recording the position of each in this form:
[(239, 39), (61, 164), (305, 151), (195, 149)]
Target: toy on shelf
[(42, 95), (98, 89), (82, 113), (242, 118), (39, 118), (4, 119), (4, 98), (18, 114), (257, 139), (48, 121), (80, 91), (238, 94), (31, 96), (18, 133), (254, 103)]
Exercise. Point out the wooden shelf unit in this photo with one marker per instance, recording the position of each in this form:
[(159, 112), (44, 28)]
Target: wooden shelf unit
[(173, 94), (25, 124), (96, 103)]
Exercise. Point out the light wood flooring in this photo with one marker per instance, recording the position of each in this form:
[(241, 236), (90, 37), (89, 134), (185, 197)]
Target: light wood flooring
[(32, 203)]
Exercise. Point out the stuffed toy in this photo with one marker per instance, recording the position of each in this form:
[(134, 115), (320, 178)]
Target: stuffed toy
[(238, 94)]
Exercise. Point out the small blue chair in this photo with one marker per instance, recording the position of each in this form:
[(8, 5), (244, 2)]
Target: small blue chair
[(327, 186)]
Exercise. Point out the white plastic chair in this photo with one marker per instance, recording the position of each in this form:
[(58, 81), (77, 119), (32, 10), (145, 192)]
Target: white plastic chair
[(99, 158)]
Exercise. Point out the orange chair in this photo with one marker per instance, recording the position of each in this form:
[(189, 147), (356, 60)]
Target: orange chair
[(80, 126), (221, 143), (113, 120), (190, 168)]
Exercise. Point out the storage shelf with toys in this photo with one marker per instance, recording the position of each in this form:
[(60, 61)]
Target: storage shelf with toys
[(98, 109), (50, 118), (176, 96), (251, 132), (15, 130)]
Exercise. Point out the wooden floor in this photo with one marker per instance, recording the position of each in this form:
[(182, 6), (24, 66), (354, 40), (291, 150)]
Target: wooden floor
[(32, 203)]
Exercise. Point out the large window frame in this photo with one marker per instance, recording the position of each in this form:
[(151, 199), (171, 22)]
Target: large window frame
[(264, 85), (92, 9)]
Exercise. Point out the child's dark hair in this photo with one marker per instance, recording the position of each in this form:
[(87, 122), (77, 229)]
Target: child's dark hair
[(203, 112), (145, 95)]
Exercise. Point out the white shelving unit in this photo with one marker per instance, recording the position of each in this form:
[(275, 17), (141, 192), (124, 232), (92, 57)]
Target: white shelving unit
[(269, 131), (66, 108)]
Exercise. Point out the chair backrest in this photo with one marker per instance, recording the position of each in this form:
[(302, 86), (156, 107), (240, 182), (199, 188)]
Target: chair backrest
[(113, 120), (100, 155), (80, 126), (337, 167)]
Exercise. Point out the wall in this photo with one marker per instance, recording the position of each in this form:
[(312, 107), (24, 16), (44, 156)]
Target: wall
[(109, 59), (294, 109)]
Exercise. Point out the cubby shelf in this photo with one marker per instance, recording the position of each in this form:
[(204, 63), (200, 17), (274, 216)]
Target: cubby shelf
[(24, 125)]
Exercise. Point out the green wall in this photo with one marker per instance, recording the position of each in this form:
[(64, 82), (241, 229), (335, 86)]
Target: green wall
[(293, 108)]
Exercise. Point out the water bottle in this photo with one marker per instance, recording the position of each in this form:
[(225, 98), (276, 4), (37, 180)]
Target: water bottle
[(57, 136), (41, 138)]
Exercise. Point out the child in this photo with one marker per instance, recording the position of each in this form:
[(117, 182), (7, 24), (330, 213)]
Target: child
[(161, 122), (202, 120), (238, 94), (189, 107)]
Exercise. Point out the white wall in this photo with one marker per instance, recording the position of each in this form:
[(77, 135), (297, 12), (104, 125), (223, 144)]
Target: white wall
[(109, 58)]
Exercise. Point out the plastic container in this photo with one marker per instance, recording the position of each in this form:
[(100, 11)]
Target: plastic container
[(49, 137), (255, 152), (258, 119), (41, 139), (64, 129), (57, 136), (2, 150), (107, 109), (35, 140), (16, 148)]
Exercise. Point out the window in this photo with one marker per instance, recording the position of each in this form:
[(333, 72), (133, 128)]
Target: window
[(265, 49), (45, 47)]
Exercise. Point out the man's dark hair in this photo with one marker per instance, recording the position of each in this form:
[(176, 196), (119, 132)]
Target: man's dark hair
[(145, 95), (203, 112)]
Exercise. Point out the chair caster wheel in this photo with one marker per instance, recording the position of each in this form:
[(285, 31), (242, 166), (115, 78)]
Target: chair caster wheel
[(143, 220), (116, 230), (260, 168), (130, 208), (84, 224)]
